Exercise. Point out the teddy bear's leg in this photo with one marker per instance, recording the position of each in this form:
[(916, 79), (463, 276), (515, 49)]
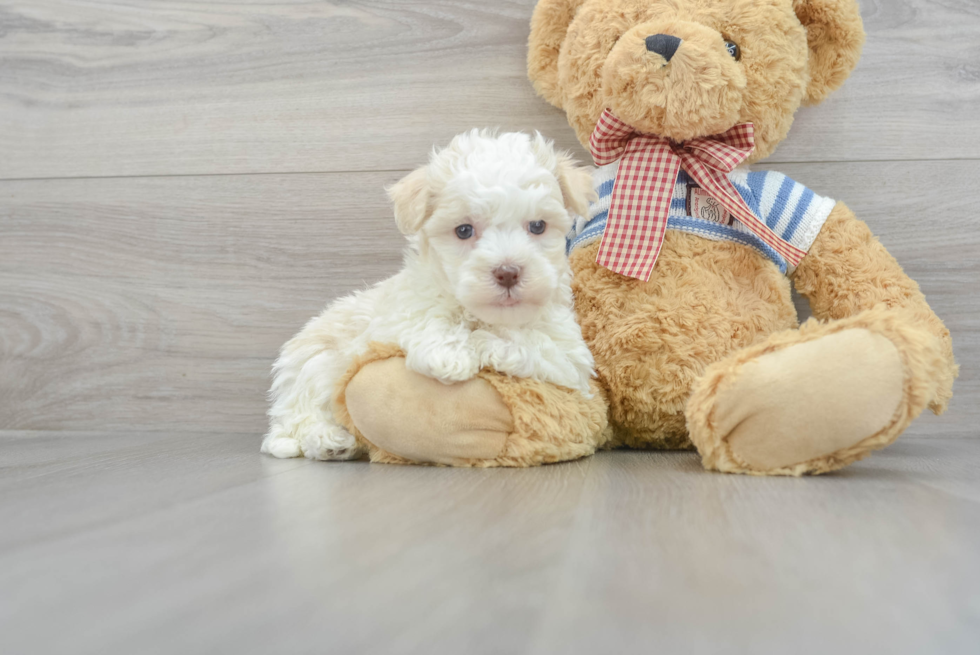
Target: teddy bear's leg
[(817, 399), (848, 271), (491, 420)]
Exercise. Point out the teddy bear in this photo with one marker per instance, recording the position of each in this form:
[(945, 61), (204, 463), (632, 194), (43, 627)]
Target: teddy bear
[(683, 285), (684, 266)]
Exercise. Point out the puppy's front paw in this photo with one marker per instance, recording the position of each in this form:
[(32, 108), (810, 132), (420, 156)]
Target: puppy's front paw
[(446, 365), (324, 441), (282, 447), (312, 438)]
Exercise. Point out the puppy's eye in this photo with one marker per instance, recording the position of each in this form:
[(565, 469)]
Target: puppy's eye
[(536, 227), (464, 231), (734, 50)]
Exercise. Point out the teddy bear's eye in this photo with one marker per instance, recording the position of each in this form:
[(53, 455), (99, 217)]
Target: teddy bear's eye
[(464, 232), (536, 227), (734, 50)]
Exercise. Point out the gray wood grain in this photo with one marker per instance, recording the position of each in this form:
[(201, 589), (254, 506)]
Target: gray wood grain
[(164, 543), (252, 554), (881, 557), (160, 303), (123, 87)]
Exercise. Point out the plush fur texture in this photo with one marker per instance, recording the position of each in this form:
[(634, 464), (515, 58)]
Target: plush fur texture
[(653, 340), (448, 309), (670, 351)]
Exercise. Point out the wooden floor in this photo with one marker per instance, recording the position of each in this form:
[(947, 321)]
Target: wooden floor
[(178, 543), (183, 184)]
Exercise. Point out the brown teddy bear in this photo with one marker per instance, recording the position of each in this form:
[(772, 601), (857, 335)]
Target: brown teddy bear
[(700, 344), (683, 266)]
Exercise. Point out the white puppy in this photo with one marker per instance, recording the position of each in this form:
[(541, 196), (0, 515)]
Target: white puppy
[(486, 283)]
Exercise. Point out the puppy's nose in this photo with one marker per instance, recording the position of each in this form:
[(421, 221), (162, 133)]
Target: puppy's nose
[(507, 276), (664, 45)]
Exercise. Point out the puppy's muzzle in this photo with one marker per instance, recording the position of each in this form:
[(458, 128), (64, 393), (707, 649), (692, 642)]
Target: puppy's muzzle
[(507, 276)]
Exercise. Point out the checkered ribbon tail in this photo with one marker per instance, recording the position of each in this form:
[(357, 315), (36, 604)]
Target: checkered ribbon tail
[(644, 188)]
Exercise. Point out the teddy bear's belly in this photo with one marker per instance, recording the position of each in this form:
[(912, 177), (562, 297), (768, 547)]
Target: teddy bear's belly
[(652, 340)]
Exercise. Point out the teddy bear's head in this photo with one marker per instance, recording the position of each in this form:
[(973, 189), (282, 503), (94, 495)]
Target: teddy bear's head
[(691, 68)]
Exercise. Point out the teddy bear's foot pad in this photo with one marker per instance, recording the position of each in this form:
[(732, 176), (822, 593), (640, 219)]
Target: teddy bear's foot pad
[(813, 402), (420, 419)]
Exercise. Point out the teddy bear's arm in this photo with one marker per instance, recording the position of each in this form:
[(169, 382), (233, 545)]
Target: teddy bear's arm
[(848, 272)]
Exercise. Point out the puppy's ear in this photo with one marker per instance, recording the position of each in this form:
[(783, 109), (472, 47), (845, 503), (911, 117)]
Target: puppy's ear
[(835, 36), (410, 197), (576, 184), (575, 181)]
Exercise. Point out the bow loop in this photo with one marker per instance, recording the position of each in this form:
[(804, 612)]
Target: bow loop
[(610, 138), (637, 219)]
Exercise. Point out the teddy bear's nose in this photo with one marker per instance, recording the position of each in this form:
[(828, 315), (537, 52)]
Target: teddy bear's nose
[(664, 45)]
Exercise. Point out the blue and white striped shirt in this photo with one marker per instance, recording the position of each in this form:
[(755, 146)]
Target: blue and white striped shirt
[(792, 211)]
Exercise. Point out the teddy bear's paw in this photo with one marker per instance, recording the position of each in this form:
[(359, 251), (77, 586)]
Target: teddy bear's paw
[(809, 407)]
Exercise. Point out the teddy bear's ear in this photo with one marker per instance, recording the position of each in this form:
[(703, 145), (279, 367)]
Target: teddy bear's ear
[(835, 35), (549, 24), (410, 197)]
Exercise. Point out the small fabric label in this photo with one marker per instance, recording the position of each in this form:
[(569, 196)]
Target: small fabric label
[(700, 204)]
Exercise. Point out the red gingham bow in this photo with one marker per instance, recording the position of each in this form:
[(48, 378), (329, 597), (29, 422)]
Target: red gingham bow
[(645, 184)]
